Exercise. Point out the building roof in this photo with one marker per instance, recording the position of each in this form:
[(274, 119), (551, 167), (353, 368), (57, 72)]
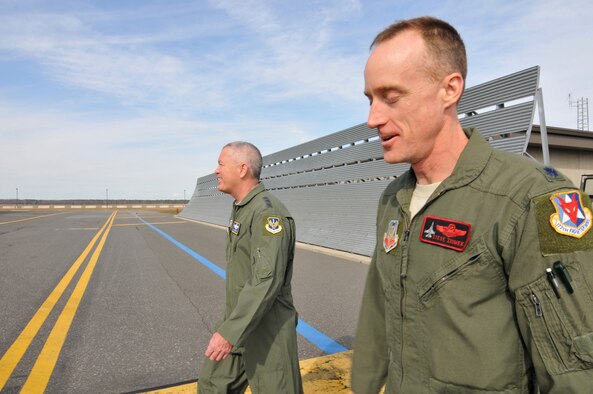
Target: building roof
[(563, 138)]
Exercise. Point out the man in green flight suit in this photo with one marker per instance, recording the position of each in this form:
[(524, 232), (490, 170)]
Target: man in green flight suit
[(482, 277), (255, 342)]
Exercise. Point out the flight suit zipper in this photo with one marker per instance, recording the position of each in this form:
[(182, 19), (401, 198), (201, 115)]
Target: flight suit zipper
[(404, 273), (539, 313), (537, 305), (404, 262), (402, 277), (229, 247)]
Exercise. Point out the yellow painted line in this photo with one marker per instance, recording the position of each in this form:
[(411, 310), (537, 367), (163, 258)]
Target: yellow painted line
[(13, 355), (144, 224), (35, 217), (44, 366), (190, 388)]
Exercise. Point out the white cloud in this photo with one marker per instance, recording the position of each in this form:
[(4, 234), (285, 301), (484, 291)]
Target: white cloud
[(298, 57), (73, 53)]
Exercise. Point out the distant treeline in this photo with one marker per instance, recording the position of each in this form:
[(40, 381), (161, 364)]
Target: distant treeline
[(87, 202)]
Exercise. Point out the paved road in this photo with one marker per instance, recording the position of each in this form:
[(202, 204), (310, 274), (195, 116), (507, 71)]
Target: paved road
[(139, 310)]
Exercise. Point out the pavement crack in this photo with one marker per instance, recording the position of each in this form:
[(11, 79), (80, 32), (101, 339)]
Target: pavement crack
[(182, 290)]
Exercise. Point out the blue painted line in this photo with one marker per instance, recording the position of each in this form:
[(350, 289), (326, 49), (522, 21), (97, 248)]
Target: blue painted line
[(319, 339), (213, 267), (313, 335)]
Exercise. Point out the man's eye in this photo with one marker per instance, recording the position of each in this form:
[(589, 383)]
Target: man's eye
[(391, 99)]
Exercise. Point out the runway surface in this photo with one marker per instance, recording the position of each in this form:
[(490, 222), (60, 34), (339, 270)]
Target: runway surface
[(118, 301)]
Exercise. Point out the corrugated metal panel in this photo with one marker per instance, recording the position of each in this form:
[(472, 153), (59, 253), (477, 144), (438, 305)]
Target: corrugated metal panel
[(213, 209), (353, 134), (503, 121), (345, 173), (360, 152), (332, 184), (342, 215), (514, 145), (501, 90)]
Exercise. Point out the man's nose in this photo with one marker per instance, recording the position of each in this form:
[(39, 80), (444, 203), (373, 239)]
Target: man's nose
[(376, 117)]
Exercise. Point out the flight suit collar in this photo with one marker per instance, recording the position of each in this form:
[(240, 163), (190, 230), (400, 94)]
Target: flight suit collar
[(470, 165), (404, 194), (254, 192)]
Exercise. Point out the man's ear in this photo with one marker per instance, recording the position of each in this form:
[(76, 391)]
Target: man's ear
[(453, 88), (243, 170)]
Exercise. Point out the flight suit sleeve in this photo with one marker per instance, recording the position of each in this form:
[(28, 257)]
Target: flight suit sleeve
[(557, 327), (370, 358), (270, 249)]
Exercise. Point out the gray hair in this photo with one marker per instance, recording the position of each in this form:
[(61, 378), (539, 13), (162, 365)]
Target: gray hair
[(245, 152)]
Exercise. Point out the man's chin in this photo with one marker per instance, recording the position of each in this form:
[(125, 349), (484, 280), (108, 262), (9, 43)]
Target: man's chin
[(392, 159)]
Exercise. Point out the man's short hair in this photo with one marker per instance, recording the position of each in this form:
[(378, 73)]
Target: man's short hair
[(245, 152), (445, 48)]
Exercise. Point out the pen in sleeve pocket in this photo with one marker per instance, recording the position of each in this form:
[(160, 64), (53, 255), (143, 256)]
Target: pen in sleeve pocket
[(564, 276), (553, 281)]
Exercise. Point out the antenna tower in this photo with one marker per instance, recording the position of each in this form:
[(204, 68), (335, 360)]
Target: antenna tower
[(582, 105)]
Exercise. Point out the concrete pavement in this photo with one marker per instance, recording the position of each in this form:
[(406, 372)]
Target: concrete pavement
[(146, 314)]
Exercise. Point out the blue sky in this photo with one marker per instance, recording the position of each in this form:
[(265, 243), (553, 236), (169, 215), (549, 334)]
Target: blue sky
[(139, 96)]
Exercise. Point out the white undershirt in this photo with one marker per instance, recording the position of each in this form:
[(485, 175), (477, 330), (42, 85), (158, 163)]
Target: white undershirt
[(420, 196)]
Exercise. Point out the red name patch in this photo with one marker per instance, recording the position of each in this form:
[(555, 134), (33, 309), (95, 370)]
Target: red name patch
[(447, 233)]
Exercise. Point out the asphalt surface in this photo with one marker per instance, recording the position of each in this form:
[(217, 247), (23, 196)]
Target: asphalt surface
[(147, 313)]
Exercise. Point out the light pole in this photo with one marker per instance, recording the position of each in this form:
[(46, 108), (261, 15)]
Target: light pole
[(184, 196), (106, 198), (17, 197)]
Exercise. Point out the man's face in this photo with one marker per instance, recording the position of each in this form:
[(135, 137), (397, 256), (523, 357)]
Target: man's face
[(227, 172), (406, 104)]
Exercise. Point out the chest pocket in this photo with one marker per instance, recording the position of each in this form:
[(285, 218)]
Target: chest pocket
[(470, 275), (461, 305)]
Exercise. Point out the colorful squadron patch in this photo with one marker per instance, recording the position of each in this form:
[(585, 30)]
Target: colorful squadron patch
[(571, 217), (273, 225), (390, 239), (235, 226)]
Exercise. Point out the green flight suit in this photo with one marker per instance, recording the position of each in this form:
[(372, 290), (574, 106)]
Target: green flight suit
[(457, 299), (259, 317)]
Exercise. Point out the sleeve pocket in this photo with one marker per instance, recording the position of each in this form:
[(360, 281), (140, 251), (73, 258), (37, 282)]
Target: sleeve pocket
[(262, 268), (561, 329)]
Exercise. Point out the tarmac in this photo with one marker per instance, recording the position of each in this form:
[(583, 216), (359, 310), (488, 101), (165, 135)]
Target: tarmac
[(123, 302)]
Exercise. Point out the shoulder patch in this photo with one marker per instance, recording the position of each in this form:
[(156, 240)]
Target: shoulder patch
[(571, 217), (272, 225), (551, 174), (564, 220)]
